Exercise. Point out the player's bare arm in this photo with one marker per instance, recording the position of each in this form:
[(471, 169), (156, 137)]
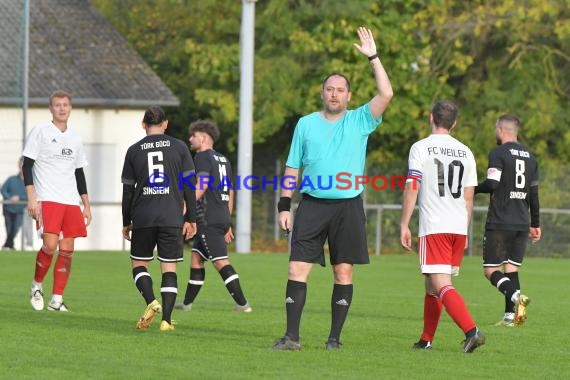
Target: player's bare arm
[(408, 205), (86, 209), (189, 230), (127, 232), (33, 207)]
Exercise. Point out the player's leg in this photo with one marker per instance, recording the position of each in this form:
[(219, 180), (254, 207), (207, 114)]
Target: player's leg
[(72, 226), (218, 252), (168, 291), (49, 227), (432, 313), (61, 273), (496, 247), (515, 260), (44, 258), (197, 278), (170, 249), (432, 303), (444, 251), (143, 241), (231, 281)]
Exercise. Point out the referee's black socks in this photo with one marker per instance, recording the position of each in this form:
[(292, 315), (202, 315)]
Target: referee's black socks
[(340, 303), (295, 296)]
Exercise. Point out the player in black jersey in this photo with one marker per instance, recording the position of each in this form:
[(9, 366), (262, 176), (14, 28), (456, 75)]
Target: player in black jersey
[(159, 209), (215, 195), (512, 181)]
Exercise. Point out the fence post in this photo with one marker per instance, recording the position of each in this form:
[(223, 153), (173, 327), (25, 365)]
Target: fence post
[(378, 230)]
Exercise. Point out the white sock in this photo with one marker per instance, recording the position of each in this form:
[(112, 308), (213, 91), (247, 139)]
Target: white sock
[(56, 298), (36, 285), (515, 296)]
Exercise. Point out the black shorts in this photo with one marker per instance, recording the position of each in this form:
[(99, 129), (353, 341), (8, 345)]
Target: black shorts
[(504, 246), (168, 241), (209, 242), (341, 221)]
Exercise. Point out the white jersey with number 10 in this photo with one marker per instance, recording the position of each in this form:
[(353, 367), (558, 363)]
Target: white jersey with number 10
[(443, 167)]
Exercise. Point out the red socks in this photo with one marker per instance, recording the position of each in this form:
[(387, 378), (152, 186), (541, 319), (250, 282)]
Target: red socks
[(43, 262), (432, 312), (61, 271), (456, 308)]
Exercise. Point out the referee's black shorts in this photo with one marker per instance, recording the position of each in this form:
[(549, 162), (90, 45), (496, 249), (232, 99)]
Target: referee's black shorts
[(167, 240), (504, 247), (341, 221)]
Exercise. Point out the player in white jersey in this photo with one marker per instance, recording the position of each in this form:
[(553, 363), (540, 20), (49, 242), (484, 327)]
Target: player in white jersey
[(442, 177), (54, 159)]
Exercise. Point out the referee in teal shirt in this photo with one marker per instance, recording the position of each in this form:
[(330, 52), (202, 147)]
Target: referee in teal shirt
[(326, 144)]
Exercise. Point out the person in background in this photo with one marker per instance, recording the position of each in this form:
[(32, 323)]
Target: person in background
[(13, 192)]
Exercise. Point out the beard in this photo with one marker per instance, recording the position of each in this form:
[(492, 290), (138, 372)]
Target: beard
[(334, 110)]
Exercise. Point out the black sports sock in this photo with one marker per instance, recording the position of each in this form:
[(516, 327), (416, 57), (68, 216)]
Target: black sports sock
[(295, 296), (471, 332), (197, 277), (509, 304), (143, 282), (168, 290), (514, 277), (503, 283), (231, 280), (340, 303)]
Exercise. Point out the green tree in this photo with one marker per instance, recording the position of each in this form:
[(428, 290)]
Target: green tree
[(490, 57)]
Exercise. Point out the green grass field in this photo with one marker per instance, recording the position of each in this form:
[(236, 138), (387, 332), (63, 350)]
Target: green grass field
[(97, 339)]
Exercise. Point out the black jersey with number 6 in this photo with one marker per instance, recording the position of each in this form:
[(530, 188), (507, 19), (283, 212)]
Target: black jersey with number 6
[(214, 175), (154, 166), (516, 170)]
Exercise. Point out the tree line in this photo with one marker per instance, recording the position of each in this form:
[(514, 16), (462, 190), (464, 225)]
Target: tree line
[(489, 57)]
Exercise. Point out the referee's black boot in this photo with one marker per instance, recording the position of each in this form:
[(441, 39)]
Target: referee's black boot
[(333, 344)]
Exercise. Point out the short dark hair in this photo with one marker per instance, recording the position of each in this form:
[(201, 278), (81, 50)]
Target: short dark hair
[(59, 94), (154, 115), (336, 74), (206, 126), (444, 114), (510, 119)]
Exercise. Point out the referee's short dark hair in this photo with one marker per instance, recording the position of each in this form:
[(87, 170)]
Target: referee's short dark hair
[(206, 126)]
